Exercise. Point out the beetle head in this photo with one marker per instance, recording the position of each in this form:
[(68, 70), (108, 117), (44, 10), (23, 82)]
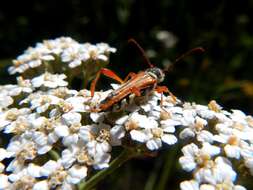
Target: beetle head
[(157, 73)]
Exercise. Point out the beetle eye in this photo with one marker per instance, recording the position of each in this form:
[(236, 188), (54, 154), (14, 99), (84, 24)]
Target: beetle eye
[(159, 74)]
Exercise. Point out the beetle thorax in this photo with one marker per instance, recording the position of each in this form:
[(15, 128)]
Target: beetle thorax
[(156, 73)]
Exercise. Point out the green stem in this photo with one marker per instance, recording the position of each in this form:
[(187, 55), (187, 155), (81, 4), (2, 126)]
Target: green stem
[(48, 67), (54, 155), (85, 77), (116, 163), (167, 169), (150, 183)]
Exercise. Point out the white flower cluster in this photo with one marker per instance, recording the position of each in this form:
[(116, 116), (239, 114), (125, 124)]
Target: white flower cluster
[(42, 120), (56, 139), (220, 137), (63, 50)]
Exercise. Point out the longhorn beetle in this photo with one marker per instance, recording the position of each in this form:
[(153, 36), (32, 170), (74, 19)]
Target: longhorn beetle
[(137, 84)]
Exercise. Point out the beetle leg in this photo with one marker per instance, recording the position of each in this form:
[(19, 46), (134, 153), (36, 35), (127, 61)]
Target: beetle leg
[(106, 72), (130, 75), (136, 91), (95, 110), (162, 89)]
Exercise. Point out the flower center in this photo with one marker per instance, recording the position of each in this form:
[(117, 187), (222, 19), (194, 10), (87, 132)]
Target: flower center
[(21, 127), (12, 114), (26, 183), (58, 177), (93, 54), (65, 106), (238, 126), (199, 125), (214, 106), (27, 153), (104, 135), (17, 63), (224, 186), (233, 140), (48, 77), (203, 160), (74, 128), (164, 115), (249, 120), (131, 125), (83, 157), (157, 132)]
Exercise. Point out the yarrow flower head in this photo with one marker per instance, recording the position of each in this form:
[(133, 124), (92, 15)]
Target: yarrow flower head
[(49, 80), (62, 55), (57, 141)]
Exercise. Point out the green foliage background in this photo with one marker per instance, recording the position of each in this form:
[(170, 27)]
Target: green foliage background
[(223, 72)]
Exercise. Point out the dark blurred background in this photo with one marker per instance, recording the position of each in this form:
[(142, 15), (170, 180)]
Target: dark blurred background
[(165, 29)]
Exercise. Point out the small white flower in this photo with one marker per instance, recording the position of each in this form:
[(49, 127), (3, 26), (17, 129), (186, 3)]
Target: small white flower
[(226, 184), (103, 47), (71, 118), (75, 55), (193, 156), (11, 115), (69, 129), (72, 154), (56, 46), (41, 185), (4, 181), (117, 133), (99, 133), (58, 176), (216, 172), (32, 57), (18, 67), (101, 160), (22, 179), (76, 174), (204, 112), (42, 102), (49, 80), (79, 154), (2, 167), (34, 170), (97, 139), (97, 117), (137, 120), (21, 149), (249, 164), (44, 133), (195, 126), (96, 53), (19, 126), (5, 101), (233, 145), (139, 136), (146, 129), (190, 185), (4, 154), (153, 137), (77, 103), (42, 142), (24, 85)]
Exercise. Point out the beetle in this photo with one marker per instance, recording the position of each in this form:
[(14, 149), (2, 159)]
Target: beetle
[(143, 82)]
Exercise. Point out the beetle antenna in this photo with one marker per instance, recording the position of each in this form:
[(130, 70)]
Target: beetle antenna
[(194, 50), (133, 41)]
